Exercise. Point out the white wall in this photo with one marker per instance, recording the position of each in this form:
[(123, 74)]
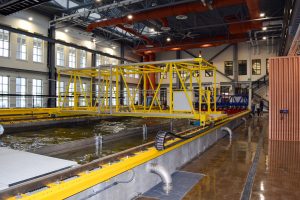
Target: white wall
[(245, 52)]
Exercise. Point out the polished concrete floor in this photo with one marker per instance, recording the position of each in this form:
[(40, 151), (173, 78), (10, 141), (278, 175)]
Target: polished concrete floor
[(226, 166)]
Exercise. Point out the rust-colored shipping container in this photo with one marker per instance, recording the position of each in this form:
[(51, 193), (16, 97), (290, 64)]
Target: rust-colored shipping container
[(284, 96)]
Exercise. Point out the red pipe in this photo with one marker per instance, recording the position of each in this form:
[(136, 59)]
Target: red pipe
[(163, 12), (253, 8), (244, 27)]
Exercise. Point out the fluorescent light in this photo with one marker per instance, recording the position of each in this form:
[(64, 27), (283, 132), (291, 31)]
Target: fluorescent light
[(66, 30), (262, 14), (264, 38), (151, 29), (30, 18), (129, 17), (113, 47), (264, 28), (168, 39)]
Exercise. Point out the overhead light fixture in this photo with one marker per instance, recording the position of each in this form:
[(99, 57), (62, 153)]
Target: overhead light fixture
[(264, 38), (175, 49), (149, 45), (165, 28), (98, 0), (264, 28), (94, 39), (206, 45), (114, 47), (152, 30), (262, 14), (181, 17), (168, 39), (30, 18), (129, 17), (66, 30)]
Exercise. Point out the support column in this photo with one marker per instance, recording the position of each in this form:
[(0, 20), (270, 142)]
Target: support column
[(235, 68), (178, 84), (93, 64), (51, 102), (122, 55)]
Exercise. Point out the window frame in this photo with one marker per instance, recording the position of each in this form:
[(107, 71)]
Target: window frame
[(226, 66), (20, 45), (38, 50), (239, 67), (3, 41), (256, 66), (4, 98), (72, 58)]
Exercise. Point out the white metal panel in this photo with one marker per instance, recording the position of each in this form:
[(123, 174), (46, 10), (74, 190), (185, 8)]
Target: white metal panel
[(181, 100), (19, 166)]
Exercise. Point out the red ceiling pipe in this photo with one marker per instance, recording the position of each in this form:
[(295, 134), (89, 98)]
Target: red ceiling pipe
[(195, 43), (253, 7), (163, 12), (244, 27), (132, 31)]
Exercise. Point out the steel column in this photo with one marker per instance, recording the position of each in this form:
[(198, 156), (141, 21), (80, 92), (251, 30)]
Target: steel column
[(52, 70), (235, 67)]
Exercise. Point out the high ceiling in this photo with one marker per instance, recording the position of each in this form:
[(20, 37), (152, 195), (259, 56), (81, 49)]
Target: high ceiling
[(159, 25)]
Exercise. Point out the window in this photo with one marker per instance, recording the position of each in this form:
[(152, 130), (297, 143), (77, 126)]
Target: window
[(60, 87), (72, 57), (225, 90), (174, 72), (21, 47), (82, 59), (37, 87), (4, 43), (183, 74), (60, 55), (267, 66), (242, 67), (37, 50), (162, 74), (256, 67), (228, 68), (83, 93), (4, 90), (98, 60), (209, 73), (71, 93), (20, 90), (125, 101), (195, 74)]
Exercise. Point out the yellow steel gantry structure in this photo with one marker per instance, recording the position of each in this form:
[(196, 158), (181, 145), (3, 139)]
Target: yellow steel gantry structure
[(104, 98)]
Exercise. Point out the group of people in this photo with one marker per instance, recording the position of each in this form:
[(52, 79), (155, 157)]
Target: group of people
[(257, 107)]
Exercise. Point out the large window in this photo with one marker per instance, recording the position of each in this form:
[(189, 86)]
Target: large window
[(209, 73), (162, 74), (37, 50), (4, 90), (4, 43), (83, 93), (20, 90), (60, 88), (242, 67), (256, 67), (71, 93), (98, 60), (228, 68), (72, 57), (37, 88), (60, 55), (82, 59), (21, 47)]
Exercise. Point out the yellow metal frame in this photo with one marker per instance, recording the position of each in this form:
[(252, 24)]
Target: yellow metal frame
[(108, 77), (85, 180)]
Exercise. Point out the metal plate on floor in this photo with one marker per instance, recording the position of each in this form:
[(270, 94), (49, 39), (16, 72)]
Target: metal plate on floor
[(183, 182), (20, 166)]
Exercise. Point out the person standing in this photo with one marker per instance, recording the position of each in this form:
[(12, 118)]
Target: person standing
[(258, 109), (261, 106)]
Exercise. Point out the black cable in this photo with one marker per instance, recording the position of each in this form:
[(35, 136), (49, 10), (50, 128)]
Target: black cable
[(161, 136)]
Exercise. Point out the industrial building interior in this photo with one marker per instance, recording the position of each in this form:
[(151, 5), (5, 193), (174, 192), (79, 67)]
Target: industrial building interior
[(149, 99)]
